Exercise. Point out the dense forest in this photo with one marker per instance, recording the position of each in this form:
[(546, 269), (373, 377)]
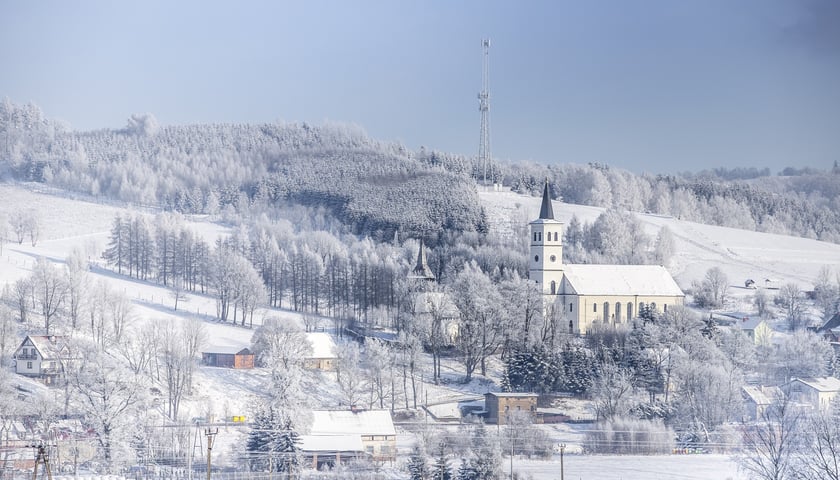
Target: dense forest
[(379, 188)]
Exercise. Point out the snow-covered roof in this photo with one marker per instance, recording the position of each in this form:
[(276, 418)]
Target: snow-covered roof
[(346, 422), (762, 395), (49, 347), (750, 323), (651, 280), (323, 345), (331, 443), (512, 394), (229, 350), (821, 384)]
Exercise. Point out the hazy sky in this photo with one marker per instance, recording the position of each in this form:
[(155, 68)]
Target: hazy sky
[(646, 85)]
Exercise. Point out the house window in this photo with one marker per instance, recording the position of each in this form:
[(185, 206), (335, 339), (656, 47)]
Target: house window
[(29, 365), (369, 449), (507, 407)]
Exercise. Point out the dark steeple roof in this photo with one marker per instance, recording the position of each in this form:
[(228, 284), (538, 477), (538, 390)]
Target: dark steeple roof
[(546, 212), (421, 269)]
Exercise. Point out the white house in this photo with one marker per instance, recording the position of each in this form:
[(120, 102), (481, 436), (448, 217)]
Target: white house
[(816, 392), (758, 398), (588, 294), (339, 434), (42, 357), (323, 356)]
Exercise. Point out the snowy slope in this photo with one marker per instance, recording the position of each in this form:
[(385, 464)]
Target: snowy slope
[(741, 254)]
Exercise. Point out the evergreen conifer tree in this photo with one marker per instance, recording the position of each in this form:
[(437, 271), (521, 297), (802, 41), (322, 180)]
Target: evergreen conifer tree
[(441, 470), (272, 442), (418, 469)]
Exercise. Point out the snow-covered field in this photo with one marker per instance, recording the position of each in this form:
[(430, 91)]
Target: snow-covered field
[(69, 224)]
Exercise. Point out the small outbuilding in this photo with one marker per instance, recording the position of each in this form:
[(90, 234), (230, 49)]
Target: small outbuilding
[(499, 406), (228, 357)]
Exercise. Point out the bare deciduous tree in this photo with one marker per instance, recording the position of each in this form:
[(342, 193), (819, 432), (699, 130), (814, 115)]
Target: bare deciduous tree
[(769, 445)]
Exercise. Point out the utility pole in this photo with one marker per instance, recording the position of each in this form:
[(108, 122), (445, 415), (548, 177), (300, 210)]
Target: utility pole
[(211, 435), (41, 456), (562, 449)]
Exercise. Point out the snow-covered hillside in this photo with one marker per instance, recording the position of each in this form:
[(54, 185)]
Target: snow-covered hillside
[(741, 254)]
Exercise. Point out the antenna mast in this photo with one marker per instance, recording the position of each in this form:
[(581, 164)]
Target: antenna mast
[(484, 107)]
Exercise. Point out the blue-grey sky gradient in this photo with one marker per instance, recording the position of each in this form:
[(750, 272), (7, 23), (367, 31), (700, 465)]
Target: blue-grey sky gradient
[(647, 85)]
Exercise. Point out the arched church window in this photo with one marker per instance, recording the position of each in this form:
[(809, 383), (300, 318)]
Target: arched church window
[(536, 258), (629, 310), (535, 236), (595, 308), (553, 258), (555, 236), (553, 287), (665, 307), (617, 312), (570, 307)]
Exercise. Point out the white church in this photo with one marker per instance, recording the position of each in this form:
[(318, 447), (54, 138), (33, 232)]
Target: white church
[(590, 294)]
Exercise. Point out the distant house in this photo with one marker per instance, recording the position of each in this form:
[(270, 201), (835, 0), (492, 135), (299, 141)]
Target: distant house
[(757, 329), (498, 406), (323, 356), (228, 357), (815, 392), (43, 357), (758, 398), (830, 330), (339, 435)]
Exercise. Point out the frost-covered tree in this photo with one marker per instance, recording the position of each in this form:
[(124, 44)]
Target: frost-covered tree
[(791, 300), (109, 394), (612, 392), (348, 373), (50, 290), (481, 328), (664, 247), (280, 344), (418, 466), (826, 293), (77, 280), (441, 469), (769, 445), (711, 291), (273, 442), (802, 354)]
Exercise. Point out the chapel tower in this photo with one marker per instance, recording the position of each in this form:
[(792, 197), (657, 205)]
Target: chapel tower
[(546, 240)]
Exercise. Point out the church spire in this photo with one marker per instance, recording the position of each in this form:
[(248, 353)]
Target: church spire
[(546, 212), (421, 269)]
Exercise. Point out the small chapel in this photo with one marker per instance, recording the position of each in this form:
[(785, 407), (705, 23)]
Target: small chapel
[(586, 295)]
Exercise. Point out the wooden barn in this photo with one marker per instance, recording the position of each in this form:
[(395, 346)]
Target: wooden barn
[(228, 357)]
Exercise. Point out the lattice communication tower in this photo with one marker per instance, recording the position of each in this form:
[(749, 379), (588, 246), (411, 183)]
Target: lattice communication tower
[(484, 108)]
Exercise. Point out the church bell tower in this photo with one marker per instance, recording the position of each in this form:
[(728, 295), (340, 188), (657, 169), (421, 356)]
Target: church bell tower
[(546, 259)]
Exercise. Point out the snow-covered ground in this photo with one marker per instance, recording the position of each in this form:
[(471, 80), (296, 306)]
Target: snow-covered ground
[(69, 224)]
